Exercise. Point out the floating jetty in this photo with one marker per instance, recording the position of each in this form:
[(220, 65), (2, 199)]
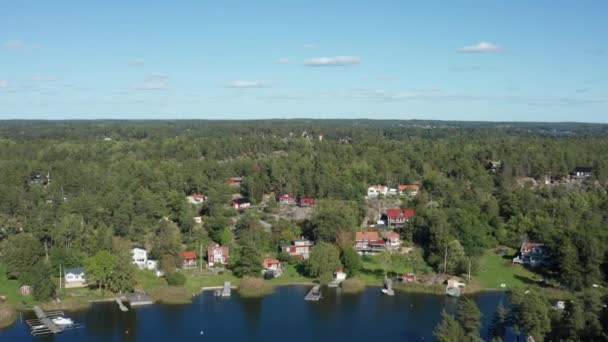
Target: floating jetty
[(139, 299), (44, 325), (314, 294), (225, 291), (388, 287), (122, 307)]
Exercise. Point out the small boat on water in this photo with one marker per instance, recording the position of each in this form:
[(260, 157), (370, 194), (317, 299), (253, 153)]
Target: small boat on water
[(62, 321)]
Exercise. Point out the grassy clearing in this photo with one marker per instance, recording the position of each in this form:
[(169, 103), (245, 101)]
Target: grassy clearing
[(148, 281), (290, 276), (372, 272), (353, 285), (10, 289), (195, 281), (171, 295), (495, 270), (7, 315), (254, 287)]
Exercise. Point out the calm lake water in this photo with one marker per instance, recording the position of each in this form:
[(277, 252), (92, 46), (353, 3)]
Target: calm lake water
[(282, 316)]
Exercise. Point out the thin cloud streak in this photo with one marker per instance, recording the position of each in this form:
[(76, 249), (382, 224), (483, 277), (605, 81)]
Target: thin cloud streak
[(481, 47), (333, 61)]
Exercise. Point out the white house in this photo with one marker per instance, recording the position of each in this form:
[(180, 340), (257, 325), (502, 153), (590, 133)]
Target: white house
[(196, 198), (375, 190), (74, 277), (140, 257), (340, 275), (152, 265)]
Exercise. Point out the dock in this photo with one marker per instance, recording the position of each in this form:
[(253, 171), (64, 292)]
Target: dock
[(388, 287), (225, 291), (122, 307), (43, 323), (314, 294), (139, 299)]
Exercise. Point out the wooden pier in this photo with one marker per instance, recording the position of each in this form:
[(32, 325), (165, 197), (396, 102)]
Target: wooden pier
[(43, 323), (388, 287), (225, 291), (122, 307), (139, 299), (314, 294)]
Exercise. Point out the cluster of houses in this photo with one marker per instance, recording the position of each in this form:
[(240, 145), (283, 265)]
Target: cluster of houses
[(370, 242), (403, 189), (290, 199)]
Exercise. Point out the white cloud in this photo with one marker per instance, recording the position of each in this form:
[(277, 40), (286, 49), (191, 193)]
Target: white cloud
[(247, 84), (311, 46), (43, 78), (13, 45), (3, 84), (136, 62), (157, 76), (281, 60), (151, 86), (333, 61), (480, 48)]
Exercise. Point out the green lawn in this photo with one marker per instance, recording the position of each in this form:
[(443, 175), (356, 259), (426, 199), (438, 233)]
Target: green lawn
[(10, 289), (495, 270), (372, 271), (290, 275)]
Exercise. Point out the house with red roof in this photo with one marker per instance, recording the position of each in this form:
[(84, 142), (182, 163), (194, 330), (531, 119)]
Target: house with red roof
[(217, 255), (286, 198), (189, 259), (234, 181), (306, 202), (196, 198), (409, 189), (531, 253), (369, 242), (398, 216), (393, 240), (272, 268), (299, 248)]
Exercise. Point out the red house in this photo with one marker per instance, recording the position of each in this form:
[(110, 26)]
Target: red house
[(369, 242), (307, 202), (299, 248), (399, 217), (189, 259), (217, 254), (234, 181), (287, 199)]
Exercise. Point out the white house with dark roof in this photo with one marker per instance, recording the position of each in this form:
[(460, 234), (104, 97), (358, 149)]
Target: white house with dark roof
[(74, 277)]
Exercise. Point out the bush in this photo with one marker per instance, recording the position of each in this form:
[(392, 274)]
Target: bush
[(176, 279), (353, 285), (254, 287)]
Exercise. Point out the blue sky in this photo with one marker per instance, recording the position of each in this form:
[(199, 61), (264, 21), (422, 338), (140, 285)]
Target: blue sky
[(516, 60)]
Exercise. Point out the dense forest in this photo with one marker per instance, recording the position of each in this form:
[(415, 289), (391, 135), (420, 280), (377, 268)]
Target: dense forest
[(74, 188)]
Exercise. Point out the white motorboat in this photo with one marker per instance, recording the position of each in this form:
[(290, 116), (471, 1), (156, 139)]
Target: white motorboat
[(62, 321)]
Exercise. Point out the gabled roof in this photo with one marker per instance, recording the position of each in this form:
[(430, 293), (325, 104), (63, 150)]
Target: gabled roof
[(370, 235), (216, 246), (392, 235), (267, 262), (379, 187), (586, 169), (412, 187), (286, 196), (74, 270), (400, 213), (197, 196), (241, 200), (188, 254), (529, 245)]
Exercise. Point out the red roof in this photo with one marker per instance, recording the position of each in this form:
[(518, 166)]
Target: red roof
[(530, 245), (286, 196), (188, 255), (400, 213), (268, 262), (392, 235), (413, 187), (198, 196), (369, 236)]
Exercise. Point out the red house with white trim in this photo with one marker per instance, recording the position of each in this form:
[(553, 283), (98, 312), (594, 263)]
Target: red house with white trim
[(299, 248), (189, 259), (398, 216), (217, 254), (287, 199), (241, 203), (369, 242), (307, 201)]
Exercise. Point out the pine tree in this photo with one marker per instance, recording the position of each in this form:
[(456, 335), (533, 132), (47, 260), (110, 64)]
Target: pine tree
[(469, 316), (498, 326), (449, 330)]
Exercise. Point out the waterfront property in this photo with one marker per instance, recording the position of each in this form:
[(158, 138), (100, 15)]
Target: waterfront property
[(531, 253), (139, 257), (369, 242), (299, 248), (217, 255), (272, 268), (189, 259), (74, 277)]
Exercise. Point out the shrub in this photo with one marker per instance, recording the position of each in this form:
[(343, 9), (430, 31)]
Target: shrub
[(254, 287), (176, 279), (353, 285)]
